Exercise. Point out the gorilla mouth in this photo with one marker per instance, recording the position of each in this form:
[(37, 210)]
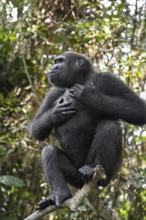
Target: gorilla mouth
[(50, 72)]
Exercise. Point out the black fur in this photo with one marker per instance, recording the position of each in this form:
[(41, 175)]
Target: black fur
[(83, 108)]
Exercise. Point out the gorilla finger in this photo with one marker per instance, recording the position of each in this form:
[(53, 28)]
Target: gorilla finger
[(61, 113), (57, 200), (65, 104), (71, 108), (72, 95), (77, 86), (72, 90), (64, 109), (68, 113)]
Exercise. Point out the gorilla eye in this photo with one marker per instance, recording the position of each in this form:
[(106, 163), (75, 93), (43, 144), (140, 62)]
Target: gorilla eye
[(80, 62), (58, 60)]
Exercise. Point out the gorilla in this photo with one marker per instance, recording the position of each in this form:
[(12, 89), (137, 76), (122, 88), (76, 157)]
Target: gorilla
[(82, 110)]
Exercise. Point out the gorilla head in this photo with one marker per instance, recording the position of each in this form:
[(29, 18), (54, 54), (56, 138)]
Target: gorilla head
[(69, 68)]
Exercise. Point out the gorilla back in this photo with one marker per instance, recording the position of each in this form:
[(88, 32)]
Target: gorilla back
[(83, 108)]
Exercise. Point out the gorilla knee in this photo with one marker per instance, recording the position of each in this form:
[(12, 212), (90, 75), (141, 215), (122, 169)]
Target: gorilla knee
[(48, 152)]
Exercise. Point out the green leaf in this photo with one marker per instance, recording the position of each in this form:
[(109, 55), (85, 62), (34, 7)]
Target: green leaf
[(73, 40), (58, 38), (11, 181), (86, 39)]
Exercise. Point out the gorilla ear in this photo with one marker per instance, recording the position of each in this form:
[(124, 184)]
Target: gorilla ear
[(80, 61)]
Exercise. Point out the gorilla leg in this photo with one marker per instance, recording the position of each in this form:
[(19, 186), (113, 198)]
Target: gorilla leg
[(70, 172), (58, 169), (106, 150)]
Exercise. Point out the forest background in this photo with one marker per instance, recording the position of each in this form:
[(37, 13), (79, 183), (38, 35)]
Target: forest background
[(113, 34)]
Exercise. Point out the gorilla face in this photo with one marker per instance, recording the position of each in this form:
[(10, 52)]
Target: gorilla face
[(58, 71), (68, 69)]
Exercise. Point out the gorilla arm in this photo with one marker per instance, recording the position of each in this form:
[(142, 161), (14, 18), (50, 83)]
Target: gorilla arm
[(131, 111), (42, 124), (109, 97), (50, 114)]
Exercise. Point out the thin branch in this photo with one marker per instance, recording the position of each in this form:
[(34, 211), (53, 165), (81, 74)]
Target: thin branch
[(134, 25), (68, 13), (89, 190), (29, 79)]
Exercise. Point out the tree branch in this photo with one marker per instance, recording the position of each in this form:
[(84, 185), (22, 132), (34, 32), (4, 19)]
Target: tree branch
[(29, 79), (89, 190)]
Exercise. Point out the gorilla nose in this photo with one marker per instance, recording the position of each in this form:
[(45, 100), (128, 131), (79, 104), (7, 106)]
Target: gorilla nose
[(55, 67), (51, 70)]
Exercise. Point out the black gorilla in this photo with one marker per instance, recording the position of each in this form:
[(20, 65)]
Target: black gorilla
[(83, 108)]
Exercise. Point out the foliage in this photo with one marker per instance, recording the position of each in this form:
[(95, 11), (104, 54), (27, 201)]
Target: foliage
[(32, 33)]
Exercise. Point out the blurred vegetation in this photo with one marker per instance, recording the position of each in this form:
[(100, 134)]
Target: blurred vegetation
[(32, 33)]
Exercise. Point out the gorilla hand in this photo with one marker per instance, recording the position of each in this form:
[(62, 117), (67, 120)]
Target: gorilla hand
[(77, 92), (62, 112)]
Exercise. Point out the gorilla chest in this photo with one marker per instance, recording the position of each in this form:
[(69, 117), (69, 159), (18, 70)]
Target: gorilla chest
[(82, 113), (76, 132)]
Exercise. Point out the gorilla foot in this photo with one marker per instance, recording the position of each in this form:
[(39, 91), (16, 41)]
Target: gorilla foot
[(53, 199), (87, 172)]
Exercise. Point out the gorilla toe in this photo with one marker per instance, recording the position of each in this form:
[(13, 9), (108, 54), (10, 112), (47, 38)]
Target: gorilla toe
[(53, 199), (87, 172)]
